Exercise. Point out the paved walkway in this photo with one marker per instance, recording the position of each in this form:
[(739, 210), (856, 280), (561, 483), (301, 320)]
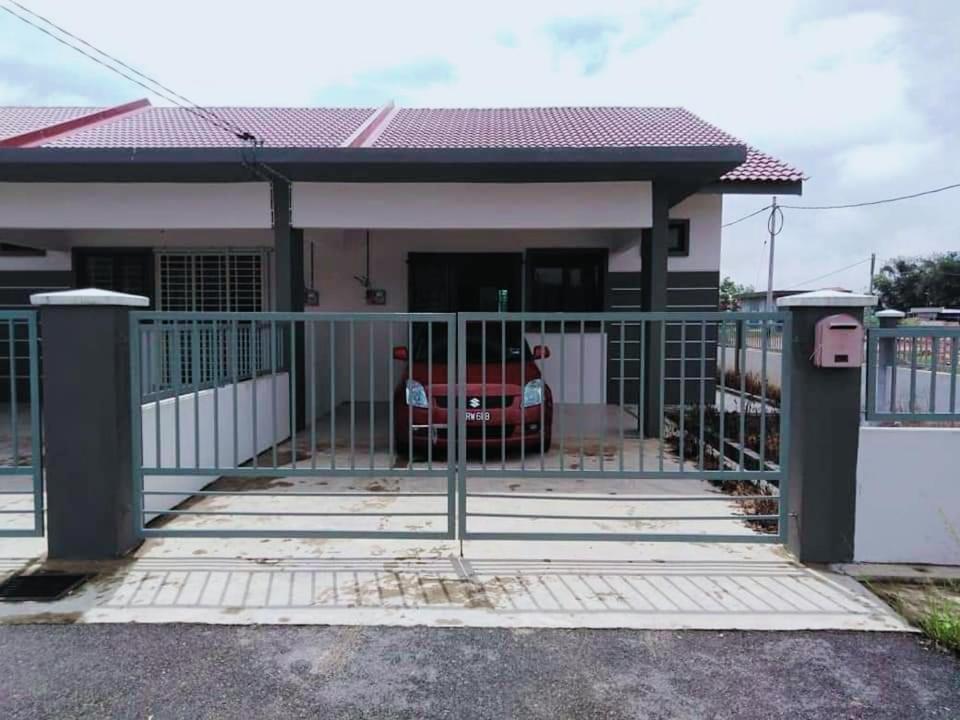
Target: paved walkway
[(338, 673), (513, 585)]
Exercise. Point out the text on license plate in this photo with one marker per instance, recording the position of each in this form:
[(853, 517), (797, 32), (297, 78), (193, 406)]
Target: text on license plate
[(478, 415)]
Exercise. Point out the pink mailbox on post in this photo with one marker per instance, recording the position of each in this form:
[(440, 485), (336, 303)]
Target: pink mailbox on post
[(839, 342)]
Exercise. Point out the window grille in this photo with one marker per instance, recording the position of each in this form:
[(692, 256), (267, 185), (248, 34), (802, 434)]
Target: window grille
[(212, 281), (215, 280)]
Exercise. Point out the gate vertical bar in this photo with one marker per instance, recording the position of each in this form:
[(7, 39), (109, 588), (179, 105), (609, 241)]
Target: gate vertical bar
[(786, 393), (36, 444), (461, 429), (136, 435), (453, 492)]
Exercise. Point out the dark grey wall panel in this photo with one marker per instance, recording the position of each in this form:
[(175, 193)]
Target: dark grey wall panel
[(694, 291)]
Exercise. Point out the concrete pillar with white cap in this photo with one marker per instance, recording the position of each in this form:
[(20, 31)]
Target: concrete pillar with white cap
[(824, 427), (887, 359), (86, 422)]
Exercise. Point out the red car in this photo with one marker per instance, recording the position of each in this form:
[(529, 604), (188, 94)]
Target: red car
[(427, 401)]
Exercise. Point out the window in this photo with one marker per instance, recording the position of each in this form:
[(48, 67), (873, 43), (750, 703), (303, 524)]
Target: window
[(566, 280), (126, 270), (679, 238), (214, 280)]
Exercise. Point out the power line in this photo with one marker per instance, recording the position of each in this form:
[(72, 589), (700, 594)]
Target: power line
[(747, 217), (212, 120), (833, 272), (225, 124), (168, 94), (874, 202), (898, 198)]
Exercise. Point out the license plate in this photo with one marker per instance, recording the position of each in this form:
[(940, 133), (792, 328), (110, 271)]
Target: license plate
[(477, 416)]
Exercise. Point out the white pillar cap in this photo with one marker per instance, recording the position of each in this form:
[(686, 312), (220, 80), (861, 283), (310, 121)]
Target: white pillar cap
[(827, 298), (891, 314), (89, 296)]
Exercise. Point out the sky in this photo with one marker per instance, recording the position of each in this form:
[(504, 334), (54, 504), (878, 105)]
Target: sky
[(862, 96)]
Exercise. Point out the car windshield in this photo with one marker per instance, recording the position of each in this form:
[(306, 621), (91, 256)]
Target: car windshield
[(491, 351)]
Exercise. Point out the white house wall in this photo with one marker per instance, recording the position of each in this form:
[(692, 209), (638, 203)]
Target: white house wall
[(472, 205), (267, 434), (135, 205)]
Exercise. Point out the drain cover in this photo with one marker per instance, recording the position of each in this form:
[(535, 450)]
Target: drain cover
[(40, 586)]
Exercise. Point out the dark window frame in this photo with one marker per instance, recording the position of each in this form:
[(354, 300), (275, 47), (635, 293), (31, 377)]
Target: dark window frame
[(81, 256), (14, 250), (684, 226), (600, 256)]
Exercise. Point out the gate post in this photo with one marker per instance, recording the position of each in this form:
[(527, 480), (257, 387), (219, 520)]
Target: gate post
[(824, 427), (87, 424), (887, 359)]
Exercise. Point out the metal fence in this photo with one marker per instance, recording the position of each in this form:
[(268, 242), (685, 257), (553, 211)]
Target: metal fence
[(303, 446), (177, 354), (479, 426), (553, 457), (912, 374), (756, 336), (21, 448)]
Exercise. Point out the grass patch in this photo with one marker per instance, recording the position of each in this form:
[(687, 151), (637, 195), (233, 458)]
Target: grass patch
[(932, 607), (943, 625)]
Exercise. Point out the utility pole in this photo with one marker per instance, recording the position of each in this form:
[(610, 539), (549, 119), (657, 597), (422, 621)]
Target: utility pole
[(873, 264), (772, 227)]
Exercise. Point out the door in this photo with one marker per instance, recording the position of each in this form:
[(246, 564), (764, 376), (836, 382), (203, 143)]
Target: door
[(465, 282)]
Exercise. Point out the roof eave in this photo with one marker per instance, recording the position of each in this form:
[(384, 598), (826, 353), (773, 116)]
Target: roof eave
[(705, 164), (756, 187)]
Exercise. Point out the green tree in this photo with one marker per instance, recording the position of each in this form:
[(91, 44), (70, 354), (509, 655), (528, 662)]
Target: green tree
[(932, 281), (729, 290)]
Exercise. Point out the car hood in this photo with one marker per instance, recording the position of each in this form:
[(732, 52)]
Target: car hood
[(512, 373)]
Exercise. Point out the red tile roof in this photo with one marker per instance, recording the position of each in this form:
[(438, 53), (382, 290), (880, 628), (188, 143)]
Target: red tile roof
[(177, 127), (19, 120), (546, 127), (550, 127)]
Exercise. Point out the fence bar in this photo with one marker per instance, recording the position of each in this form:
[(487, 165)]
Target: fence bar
[(14, 430), (683, 391), (353, 396), (703, 386), (742, 404), (333, 394), (623, 332), (580, 422), (373, 404)]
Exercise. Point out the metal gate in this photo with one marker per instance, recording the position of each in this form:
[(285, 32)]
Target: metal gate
[(562, 436), (21, 447), (477, 426), (291, 424)]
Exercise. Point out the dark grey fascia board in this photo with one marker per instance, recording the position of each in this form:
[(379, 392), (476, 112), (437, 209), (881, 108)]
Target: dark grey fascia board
[(756, 187), (700, 164)]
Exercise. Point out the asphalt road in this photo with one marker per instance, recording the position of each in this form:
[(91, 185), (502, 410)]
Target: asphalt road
[(194, 671)]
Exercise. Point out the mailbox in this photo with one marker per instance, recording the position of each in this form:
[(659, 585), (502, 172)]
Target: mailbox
[(839, 342)]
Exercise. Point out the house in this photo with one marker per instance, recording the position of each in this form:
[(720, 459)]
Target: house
[(391, 209), (757, 301), (935, 314)]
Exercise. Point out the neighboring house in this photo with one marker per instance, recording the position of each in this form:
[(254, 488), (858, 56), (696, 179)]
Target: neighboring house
[(935, 314), (390, 209), (757, 301)]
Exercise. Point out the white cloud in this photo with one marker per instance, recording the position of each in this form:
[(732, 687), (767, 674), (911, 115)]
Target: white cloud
[(877, 163)]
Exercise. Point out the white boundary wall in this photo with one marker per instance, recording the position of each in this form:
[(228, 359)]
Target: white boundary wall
[(908, 496), (191, 483)]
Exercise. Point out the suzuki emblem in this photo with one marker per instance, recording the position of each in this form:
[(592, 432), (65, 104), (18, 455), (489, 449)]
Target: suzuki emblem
[(474, 402)]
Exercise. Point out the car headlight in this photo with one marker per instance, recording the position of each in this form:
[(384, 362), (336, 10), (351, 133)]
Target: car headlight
[(416, 395), (533, 393)]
